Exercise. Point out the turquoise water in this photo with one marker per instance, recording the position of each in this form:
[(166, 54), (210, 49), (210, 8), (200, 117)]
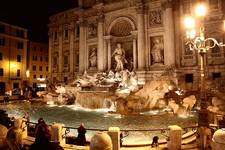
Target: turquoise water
[(72, 116)]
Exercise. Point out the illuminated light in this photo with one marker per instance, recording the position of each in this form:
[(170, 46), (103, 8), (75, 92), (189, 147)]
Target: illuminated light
[(41, 79), (27, 73), (12, 65), (42, 85), (191, 34), (224, 24), (200, 10), (189, 22)]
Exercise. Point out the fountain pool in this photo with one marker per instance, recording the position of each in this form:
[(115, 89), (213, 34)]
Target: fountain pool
[(72, 116)]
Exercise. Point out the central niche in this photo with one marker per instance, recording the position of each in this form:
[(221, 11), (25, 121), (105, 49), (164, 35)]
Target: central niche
[(121, 28)]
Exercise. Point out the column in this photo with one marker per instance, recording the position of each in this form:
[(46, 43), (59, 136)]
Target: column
[(109, 54), (100, 53), (141, 37), (135, 53), (50, 40), (82, 42), (105, 55), (72, 36), (169, 48), (60, 52)]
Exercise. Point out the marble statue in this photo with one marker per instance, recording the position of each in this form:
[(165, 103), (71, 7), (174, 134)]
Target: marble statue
[(119, 55), (156, 52), (93, 57)]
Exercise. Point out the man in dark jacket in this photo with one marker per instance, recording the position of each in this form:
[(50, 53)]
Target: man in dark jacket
[(81, 139)]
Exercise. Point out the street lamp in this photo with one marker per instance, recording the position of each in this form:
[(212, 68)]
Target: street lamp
[(201, 44)]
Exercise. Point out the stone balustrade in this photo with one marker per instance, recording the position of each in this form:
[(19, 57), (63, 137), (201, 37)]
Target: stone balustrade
[(58, 133)]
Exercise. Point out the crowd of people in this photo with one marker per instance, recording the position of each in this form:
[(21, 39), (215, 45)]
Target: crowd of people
[(13, 138)]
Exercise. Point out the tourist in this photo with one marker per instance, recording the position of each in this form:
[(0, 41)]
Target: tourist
[(42, 138), (81, 139), (155, 142), (14, 139)]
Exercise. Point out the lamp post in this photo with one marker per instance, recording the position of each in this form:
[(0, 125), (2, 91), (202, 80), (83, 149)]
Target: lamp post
[(201, 44)]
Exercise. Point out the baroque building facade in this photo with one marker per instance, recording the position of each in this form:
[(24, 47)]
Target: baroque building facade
[(151, 32)]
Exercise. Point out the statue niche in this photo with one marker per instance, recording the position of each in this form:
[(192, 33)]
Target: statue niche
[(92, 57), (157, 50)]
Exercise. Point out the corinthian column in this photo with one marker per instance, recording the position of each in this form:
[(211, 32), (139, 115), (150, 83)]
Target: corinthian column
[(50, 40), (100, 54), (60, 51), (71, 34), (169, 49), (82, 47), (141, 37), (109, 54)]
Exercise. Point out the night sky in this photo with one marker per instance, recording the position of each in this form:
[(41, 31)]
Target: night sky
[(33, 14)]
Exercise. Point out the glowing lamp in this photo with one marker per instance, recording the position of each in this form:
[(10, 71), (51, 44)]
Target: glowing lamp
[(189, 23), (200, 10)]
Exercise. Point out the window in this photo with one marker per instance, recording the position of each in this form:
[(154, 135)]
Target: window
[(216, 75), (65, 79), (47, 68), (2, 28), (65, 60), (54, 60), (40, 68), (1, 56), (34, 68), (41, 76), (34, 58), (1, 72), (55, 36), (34, 85), (18, 58), (20, 45), (66, 33), (189, 78), (35, 48), (18, 73), (15, 85), (19, 33), (46, 59), (34, 76), (41, 58), (77, 31), (2, 41)]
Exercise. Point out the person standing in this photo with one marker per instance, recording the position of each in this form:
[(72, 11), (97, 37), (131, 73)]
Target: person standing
[(81, 139)]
